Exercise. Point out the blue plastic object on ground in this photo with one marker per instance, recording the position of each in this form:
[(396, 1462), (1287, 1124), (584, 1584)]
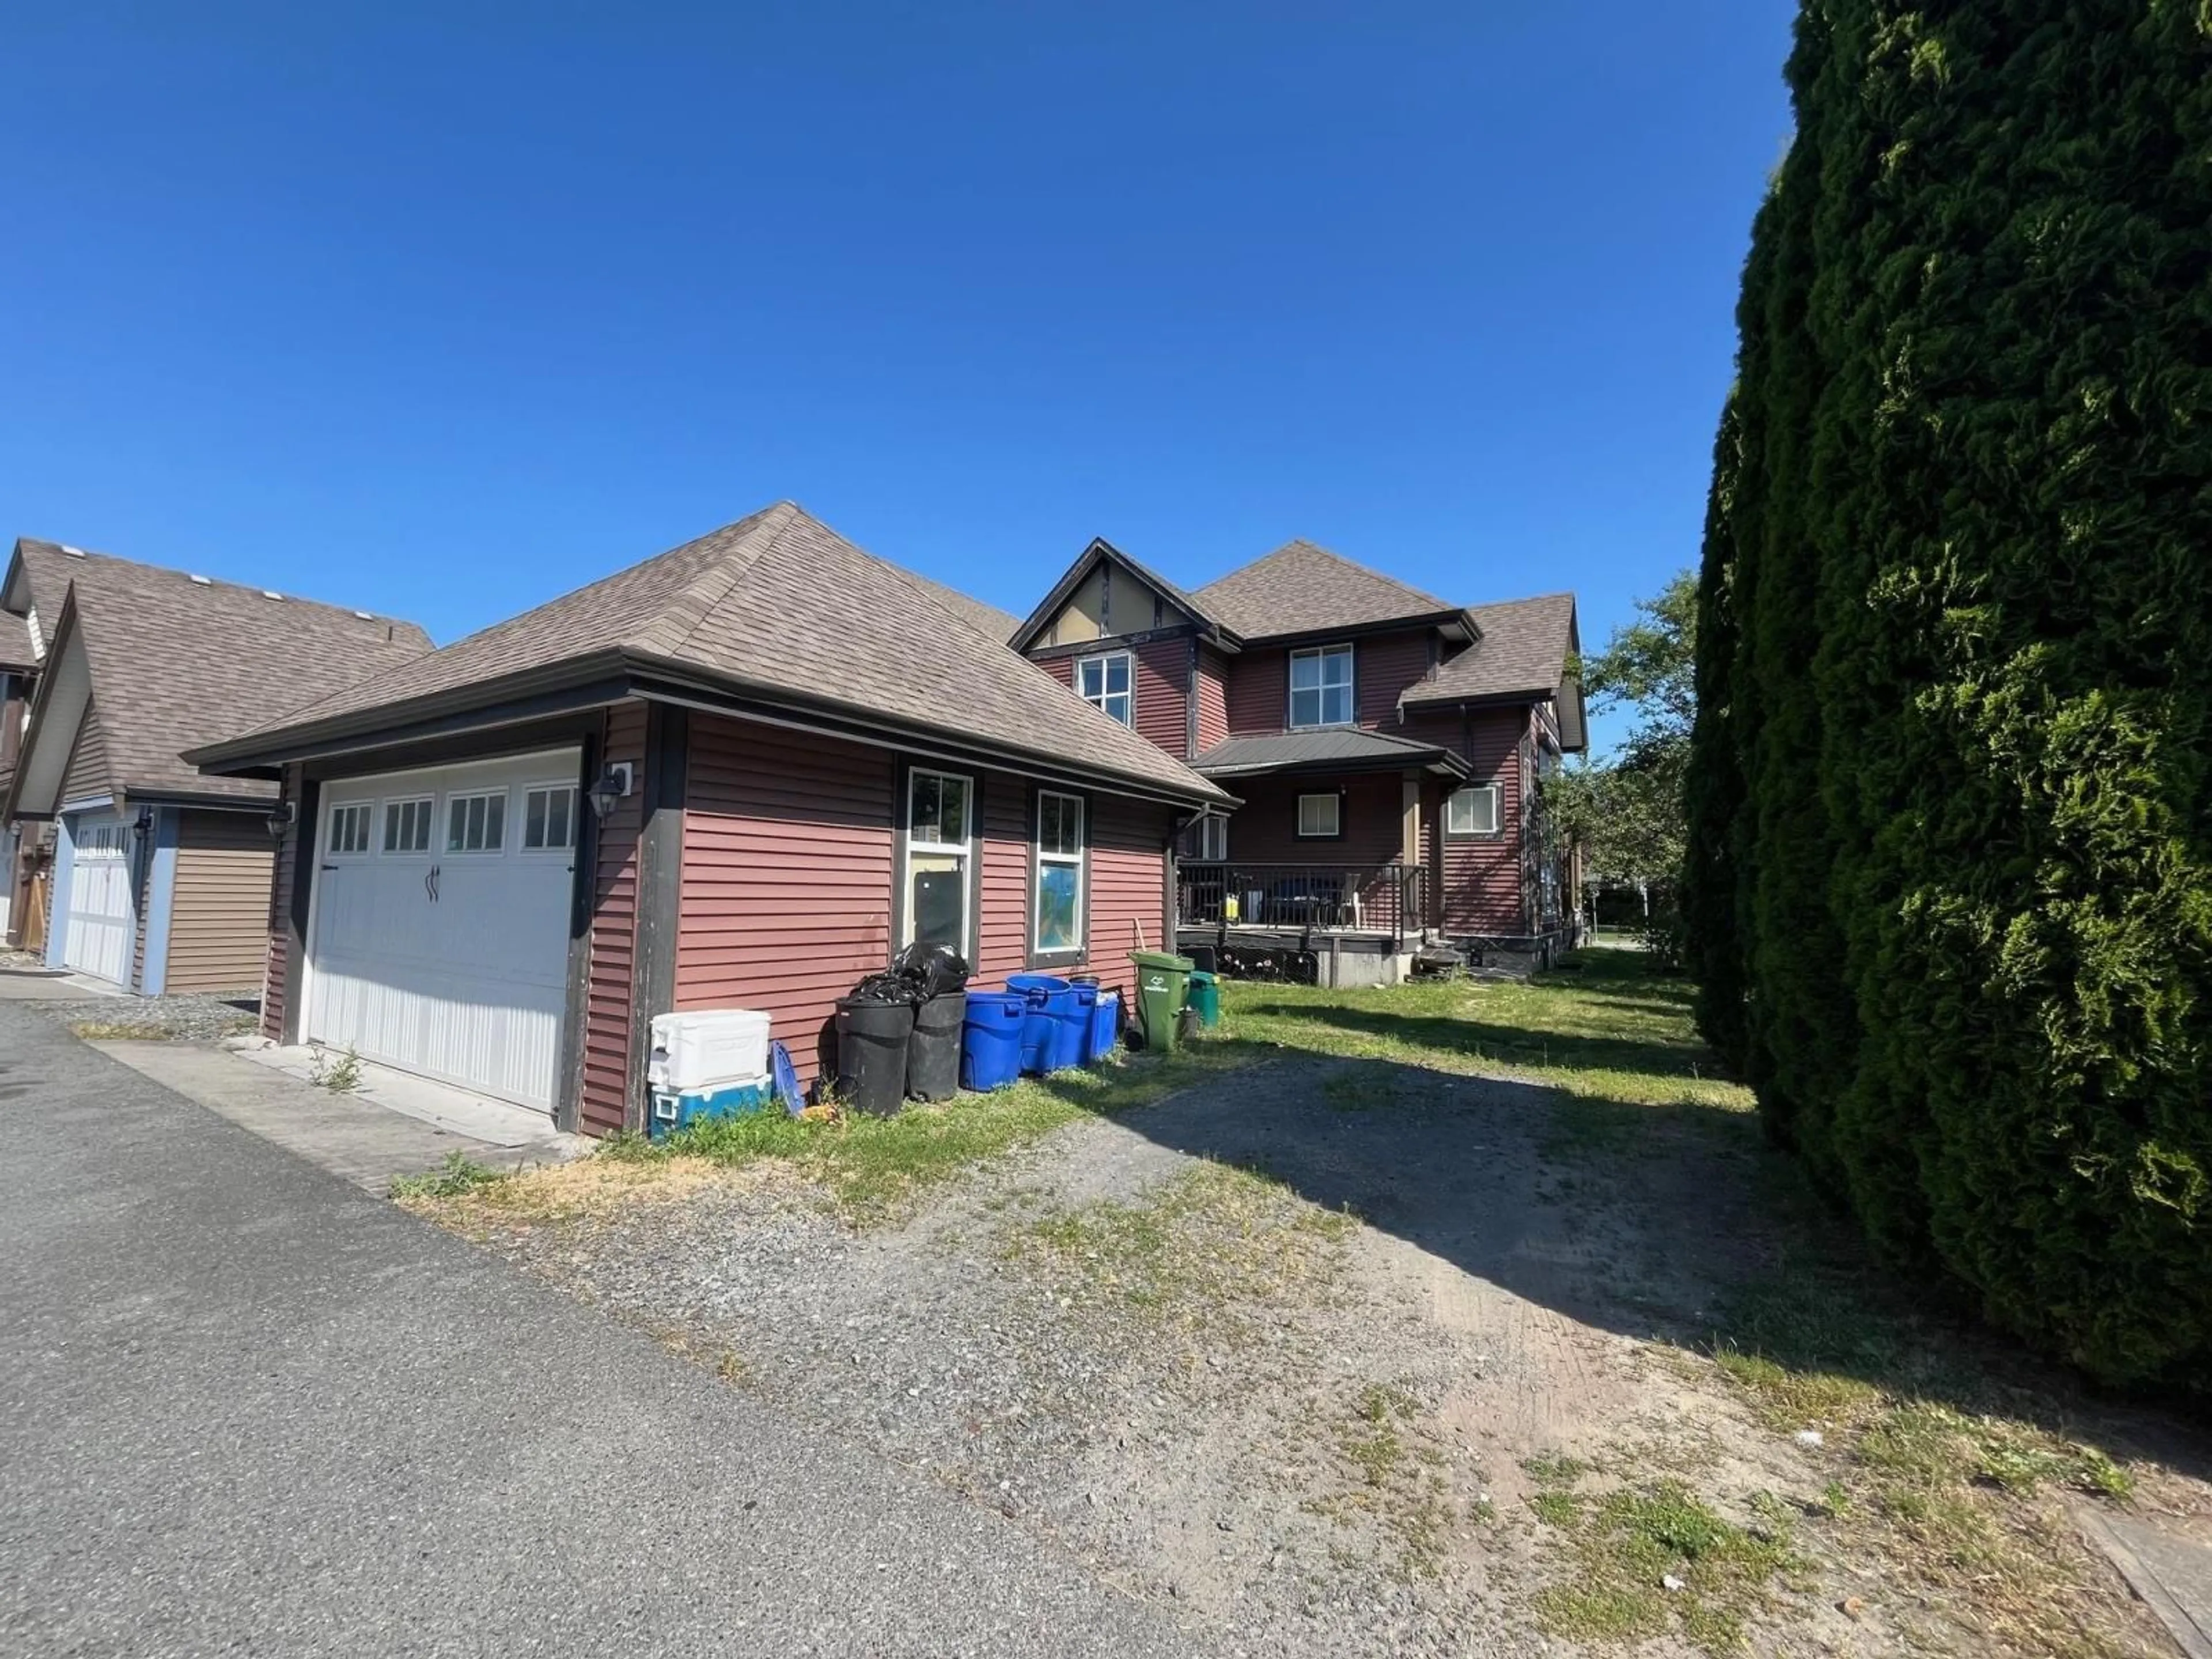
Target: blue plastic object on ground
[(786, 1080), (1105, 1027), (1051, 1000), (991, 1039)]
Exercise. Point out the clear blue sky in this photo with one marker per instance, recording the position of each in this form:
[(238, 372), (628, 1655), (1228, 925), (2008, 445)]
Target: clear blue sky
[(443, 310)]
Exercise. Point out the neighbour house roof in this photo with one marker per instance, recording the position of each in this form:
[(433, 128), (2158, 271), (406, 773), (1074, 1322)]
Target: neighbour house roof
[(1300, 588), (1336, 749), (1097, 553), (168, 661), (15, 651), (1524, 651), (777, 609)]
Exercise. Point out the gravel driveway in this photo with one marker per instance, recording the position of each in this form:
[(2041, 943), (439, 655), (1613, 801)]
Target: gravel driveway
[(1294, 1409)]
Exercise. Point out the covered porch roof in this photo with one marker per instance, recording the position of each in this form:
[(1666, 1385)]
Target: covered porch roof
[(1333, 748)]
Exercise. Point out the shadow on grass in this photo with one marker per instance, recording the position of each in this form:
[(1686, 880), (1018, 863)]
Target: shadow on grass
[(1674, 1221)]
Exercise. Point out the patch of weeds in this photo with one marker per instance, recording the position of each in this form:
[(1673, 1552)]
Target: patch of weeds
[(339, 1074), (1626, 1546), (1200, 1252), (1398, 1485), (457, 1175)]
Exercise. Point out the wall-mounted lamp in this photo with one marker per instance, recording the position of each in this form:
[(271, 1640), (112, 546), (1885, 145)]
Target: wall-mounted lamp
[(614, 783), (142, 825), (280, 818)]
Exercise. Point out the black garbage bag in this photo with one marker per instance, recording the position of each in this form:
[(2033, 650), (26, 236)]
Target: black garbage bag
[(884, 990), (934, 970)]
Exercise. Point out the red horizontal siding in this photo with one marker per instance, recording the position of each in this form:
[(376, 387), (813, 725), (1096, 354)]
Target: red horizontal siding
[(1383, 666), (786, 889), (788, 874), (1480, 880), (1162, 680), (612, 959), (1212, 698), (1257, 698)]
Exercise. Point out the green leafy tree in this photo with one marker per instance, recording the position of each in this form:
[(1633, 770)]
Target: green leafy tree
[(1950, 896)]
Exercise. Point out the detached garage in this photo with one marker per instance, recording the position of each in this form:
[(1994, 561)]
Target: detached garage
[(742, 773), (440, 920), (162, 876)]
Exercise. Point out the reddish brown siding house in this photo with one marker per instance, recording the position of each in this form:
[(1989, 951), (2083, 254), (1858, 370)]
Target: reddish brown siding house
[(1389, 748), (742, 774)]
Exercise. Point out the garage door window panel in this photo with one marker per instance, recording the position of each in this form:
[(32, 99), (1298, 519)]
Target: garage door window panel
[(476, 823), (407, 825), (349, 836), (549, 818)]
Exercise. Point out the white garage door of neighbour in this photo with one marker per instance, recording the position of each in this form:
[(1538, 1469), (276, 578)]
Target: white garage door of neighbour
[(442, 921), (100, 921)]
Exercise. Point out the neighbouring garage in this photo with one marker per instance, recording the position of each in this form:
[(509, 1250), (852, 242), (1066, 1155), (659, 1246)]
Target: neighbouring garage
[(439, 927), (99, 923)]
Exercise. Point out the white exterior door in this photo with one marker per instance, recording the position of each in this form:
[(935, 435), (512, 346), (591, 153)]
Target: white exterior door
[(100, 926), (440, 930)]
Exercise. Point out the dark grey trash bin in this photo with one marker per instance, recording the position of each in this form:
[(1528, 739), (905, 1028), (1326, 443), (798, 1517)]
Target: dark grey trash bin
[(872, 1038), (932, 1056)]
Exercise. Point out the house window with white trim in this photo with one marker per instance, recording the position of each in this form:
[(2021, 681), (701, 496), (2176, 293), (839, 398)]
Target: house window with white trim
[(1207, 841), (1105, 683), (1320, 818), (936, 884), (1321, 687), (1058, 876), (1472, 811)]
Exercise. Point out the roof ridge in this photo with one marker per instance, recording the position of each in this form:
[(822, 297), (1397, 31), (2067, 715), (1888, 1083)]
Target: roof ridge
[(66, 550), (690, 609)]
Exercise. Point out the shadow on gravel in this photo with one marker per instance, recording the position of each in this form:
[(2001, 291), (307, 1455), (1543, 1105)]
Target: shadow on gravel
[(1673, 1221)]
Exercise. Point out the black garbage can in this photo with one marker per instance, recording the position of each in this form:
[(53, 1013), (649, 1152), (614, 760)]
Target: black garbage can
[(933, 1058), (871, 1048)]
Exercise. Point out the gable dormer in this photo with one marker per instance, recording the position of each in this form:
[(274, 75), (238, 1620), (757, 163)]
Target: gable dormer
[(1107, 595)]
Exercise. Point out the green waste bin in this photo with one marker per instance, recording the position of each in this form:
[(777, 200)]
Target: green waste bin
[(1163, 981), (1206, 999)]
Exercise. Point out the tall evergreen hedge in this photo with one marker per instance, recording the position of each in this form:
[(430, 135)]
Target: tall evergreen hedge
[(1950, 902)]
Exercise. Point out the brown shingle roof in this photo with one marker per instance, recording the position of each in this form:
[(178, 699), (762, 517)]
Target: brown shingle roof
[(177, 662), (778, 601), (1524, 651), (1300, 588), (999, 624), (16, 643)]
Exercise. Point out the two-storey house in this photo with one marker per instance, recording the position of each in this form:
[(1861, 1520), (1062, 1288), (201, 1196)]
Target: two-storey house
[(1388, 749)]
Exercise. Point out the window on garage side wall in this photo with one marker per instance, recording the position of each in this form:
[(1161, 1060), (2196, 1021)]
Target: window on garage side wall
[(936, 885), (1057, 879)]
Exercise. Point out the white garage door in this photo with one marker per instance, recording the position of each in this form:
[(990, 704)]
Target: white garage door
[(99, 927), (440, 932)]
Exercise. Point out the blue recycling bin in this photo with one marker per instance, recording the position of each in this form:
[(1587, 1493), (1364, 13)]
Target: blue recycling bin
[(1051, 1007), (991, 1039), (1105, 1026), (1071, 1033)]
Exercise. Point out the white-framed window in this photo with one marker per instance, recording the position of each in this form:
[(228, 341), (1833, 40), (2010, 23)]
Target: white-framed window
[(349, 826), (1057, 909), (1207, 841), (549, 818), (1472, 811), (407, 824), (941, 852), (1107, 683), (1320, 818), (478, 823), (1321, 686)]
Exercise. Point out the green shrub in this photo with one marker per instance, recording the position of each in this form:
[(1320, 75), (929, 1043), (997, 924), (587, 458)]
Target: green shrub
[(1953, 777)]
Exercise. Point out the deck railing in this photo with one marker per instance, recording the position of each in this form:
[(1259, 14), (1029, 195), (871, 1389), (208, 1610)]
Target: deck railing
[(1366, 898)]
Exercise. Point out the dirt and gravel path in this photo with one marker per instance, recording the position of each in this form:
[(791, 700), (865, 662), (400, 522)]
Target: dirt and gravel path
[(1297, 1407)]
